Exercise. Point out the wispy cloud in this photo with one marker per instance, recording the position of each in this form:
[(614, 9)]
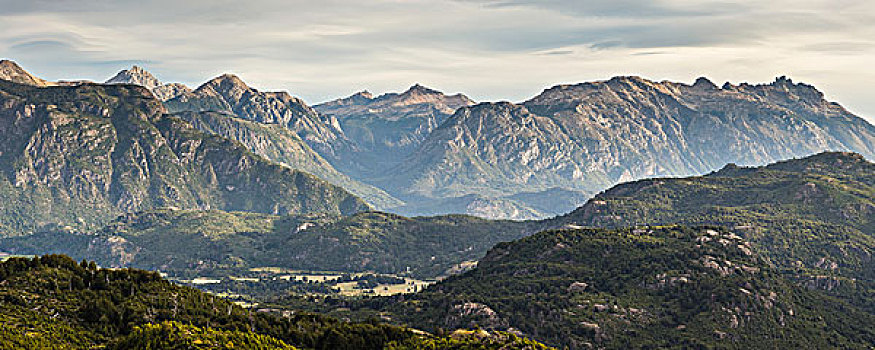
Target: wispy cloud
[(490, 49)]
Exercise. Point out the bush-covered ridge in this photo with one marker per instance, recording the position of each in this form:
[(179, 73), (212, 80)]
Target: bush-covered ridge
[(658, 287), (814, 218)]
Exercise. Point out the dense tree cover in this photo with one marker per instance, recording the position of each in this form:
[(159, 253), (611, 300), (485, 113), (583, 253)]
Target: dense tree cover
[(468, 340), (176, 336), (192, 243), (52, 302), (657, 287)]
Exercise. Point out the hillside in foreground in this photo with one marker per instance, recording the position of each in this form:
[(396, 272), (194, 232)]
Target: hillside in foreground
[(657, 287), (52, 302), (810, 217)]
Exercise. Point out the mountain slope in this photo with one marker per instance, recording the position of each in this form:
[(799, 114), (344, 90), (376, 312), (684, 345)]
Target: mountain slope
[(139, 76), (388, 127), (592, 135), (812, 217), (669, 287), (270, 140), (82, 155), (281, 145)]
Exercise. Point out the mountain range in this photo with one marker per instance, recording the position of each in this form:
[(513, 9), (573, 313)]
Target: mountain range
[(593, 135), (389, 127), (405, 152), (78, 156)]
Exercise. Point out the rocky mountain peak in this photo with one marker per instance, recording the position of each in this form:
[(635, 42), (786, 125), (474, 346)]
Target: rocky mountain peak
[(135, 75), (229, 86), (227, 80), (628, 79), (417, 94), (418, 89), (704, 83), (364, 94), (9, 70), (7, 64)]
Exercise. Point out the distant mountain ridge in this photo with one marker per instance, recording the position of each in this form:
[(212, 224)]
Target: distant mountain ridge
[(216, 106), (387, 128), (228, 93), (592, 135), (413, 151)]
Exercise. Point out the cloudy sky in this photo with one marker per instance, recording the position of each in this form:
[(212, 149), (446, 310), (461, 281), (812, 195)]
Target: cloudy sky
[(490, 50)]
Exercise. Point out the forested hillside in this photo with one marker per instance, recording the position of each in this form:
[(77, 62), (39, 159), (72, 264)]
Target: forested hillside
[(52, 302)]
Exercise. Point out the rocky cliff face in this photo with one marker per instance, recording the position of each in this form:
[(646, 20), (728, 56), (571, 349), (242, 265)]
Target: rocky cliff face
[(139, 76), (264, 132), (388, 127), (77, 156), (591, 135)]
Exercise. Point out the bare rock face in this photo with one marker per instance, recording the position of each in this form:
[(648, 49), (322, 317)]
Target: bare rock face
[(139, 76), (281, 145), (229, 94), (471, 315), (169, 91), (136, 76)]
